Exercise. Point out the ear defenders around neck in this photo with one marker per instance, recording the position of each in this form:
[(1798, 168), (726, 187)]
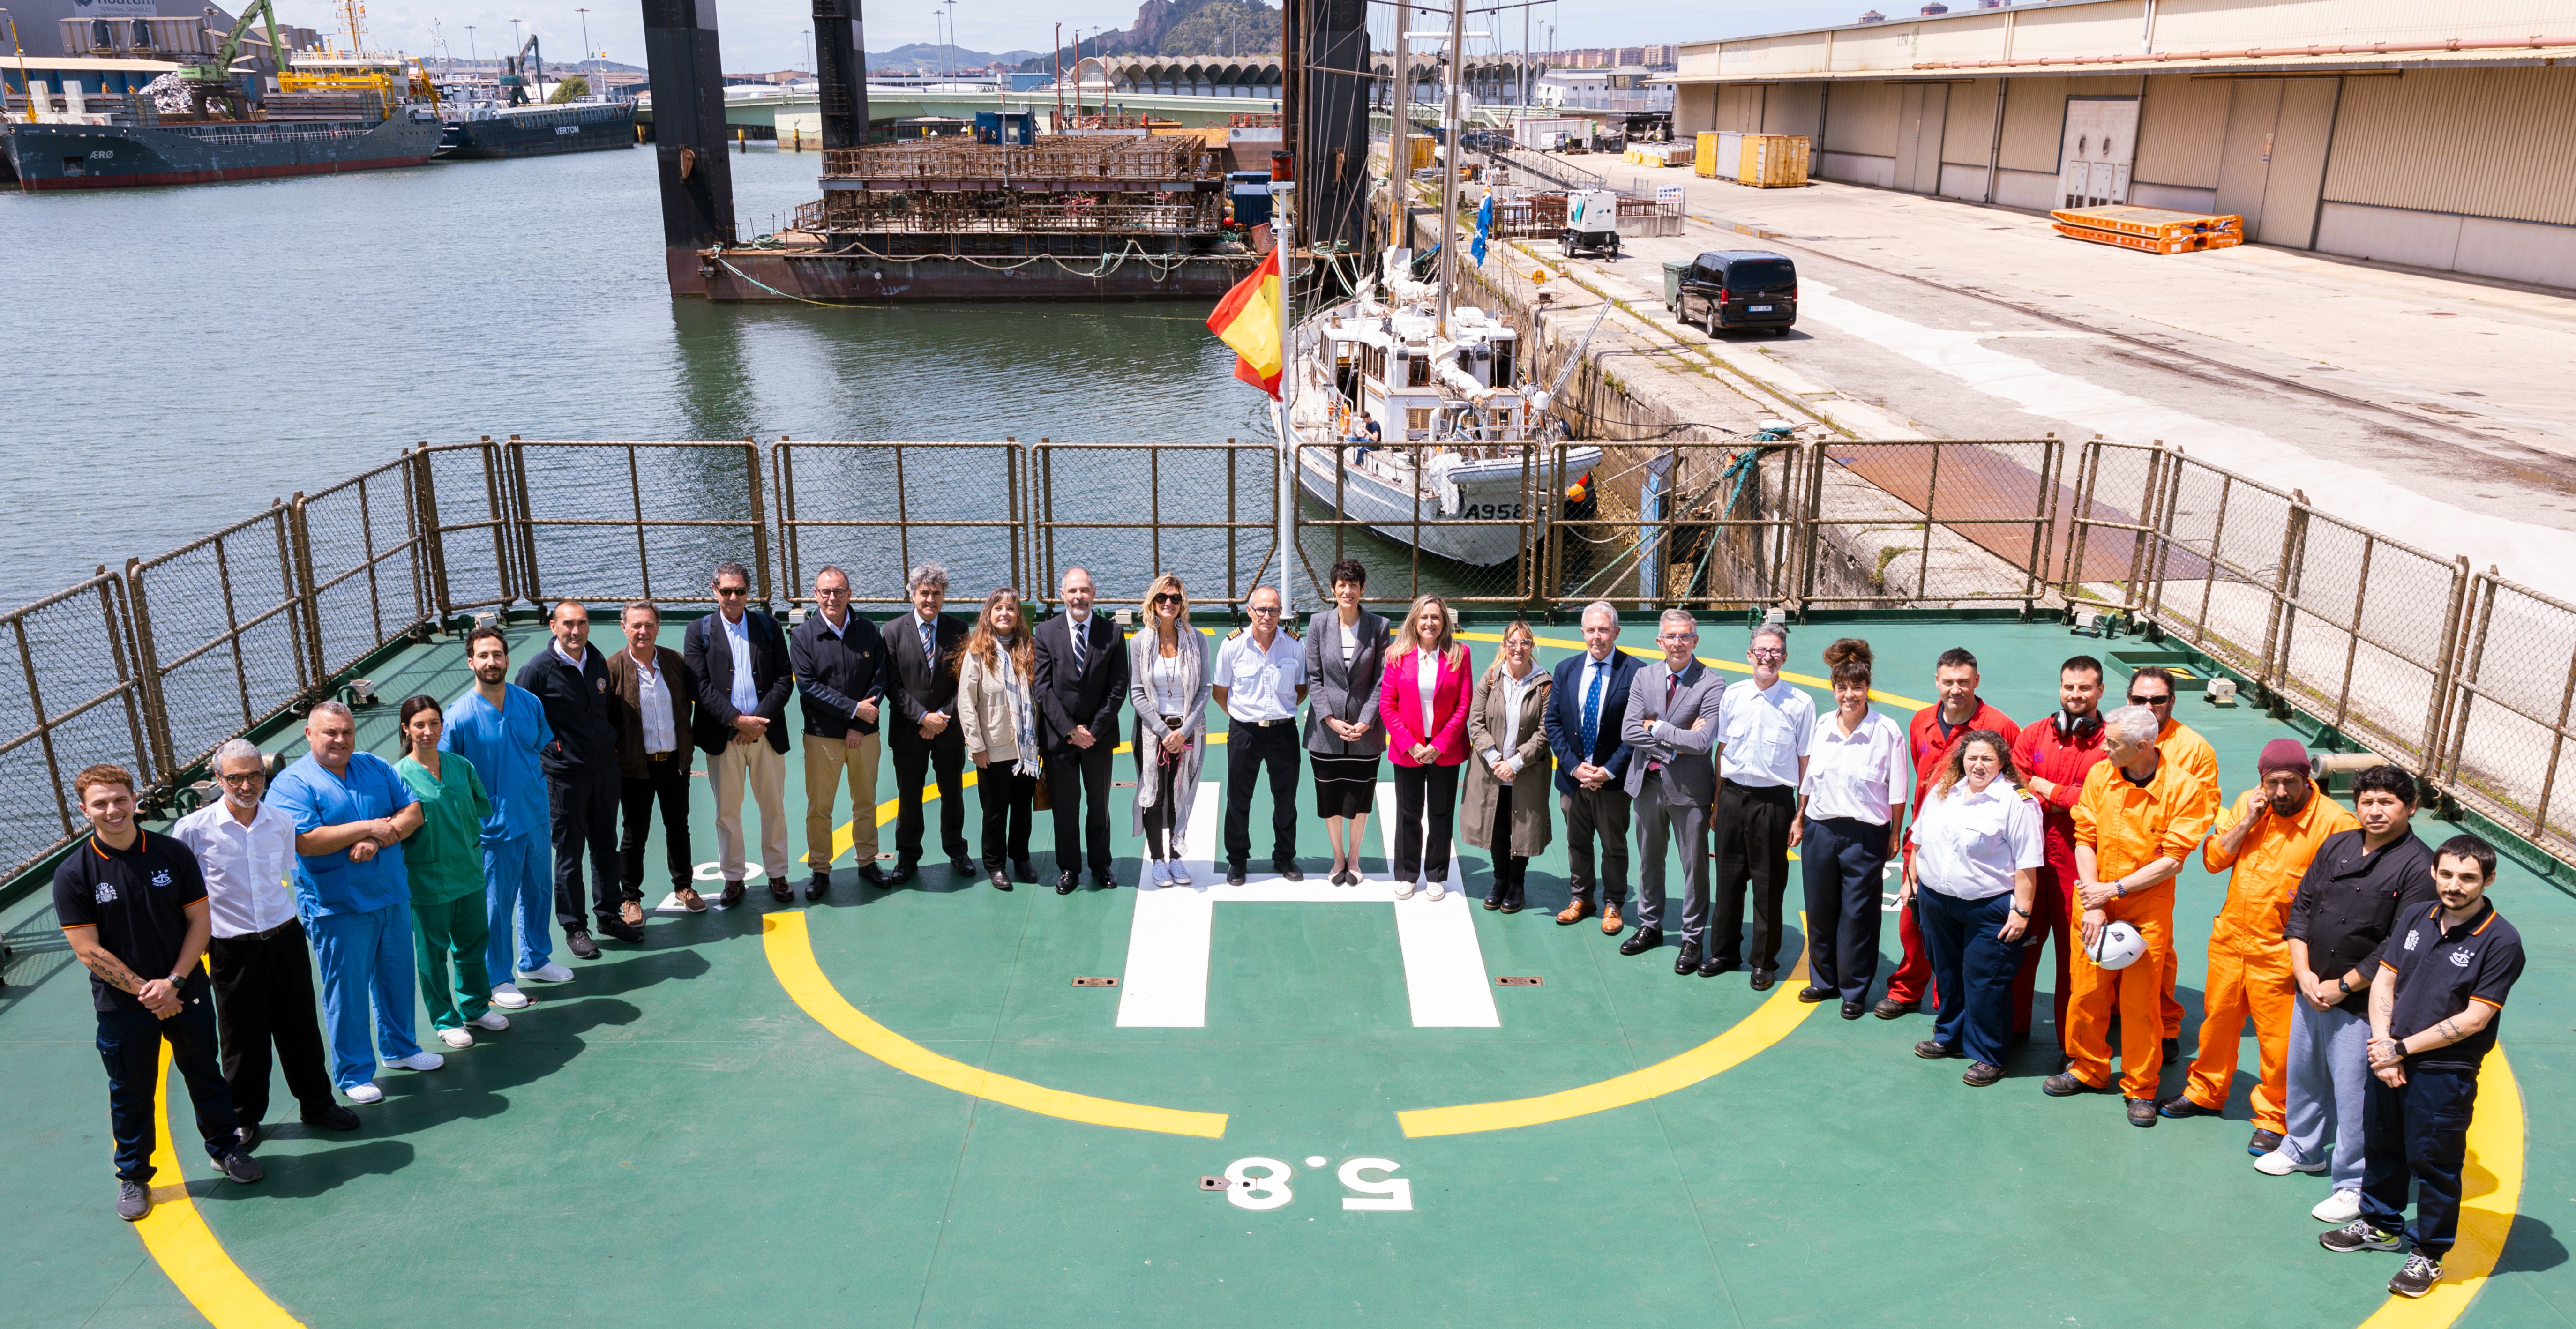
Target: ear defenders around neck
[(2078, 727)]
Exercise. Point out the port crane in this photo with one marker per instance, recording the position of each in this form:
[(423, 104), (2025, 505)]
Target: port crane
[(520, 72)]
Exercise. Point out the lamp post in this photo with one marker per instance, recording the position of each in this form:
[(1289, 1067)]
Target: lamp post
[(586, 52)]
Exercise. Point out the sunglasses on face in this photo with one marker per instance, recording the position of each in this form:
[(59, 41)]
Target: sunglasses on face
[(729, 592), (2136, 700), (1167, 598)]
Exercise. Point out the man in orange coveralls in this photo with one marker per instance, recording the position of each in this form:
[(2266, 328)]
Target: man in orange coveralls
[(2153, 688), (2268, 838), (2135, 823)]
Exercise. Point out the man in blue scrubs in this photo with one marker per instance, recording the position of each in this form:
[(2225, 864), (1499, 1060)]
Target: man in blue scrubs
[(501, 727), (351, 812)]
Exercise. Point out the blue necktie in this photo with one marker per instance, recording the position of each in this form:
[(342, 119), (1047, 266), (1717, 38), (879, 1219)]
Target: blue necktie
[(1592, 708), (929, 649)]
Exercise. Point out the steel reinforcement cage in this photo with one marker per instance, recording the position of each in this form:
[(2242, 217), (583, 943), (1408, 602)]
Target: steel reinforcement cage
[(2464, 678)]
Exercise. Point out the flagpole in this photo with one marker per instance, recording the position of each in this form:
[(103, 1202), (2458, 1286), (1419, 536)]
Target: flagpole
[(1283, 419)]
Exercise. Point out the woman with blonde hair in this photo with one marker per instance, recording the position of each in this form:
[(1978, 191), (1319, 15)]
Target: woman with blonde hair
[(1975, 871), (1167, 687), (1507, 783), (1424, 700), (997, 711)]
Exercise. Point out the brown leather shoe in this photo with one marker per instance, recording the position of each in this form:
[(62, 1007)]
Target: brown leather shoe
[(1610, 920), (633, 912), (732, 894), (691, 900), (1576, 912)]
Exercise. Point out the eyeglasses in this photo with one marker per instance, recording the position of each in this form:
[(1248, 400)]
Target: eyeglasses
[(2160, 700), (1768, 655), (245, 778), (820, 592), (1265, 609), (1168, 598)]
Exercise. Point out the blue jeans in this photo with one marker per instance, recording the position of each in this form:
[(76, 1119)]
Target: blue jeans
[(1842, 860), (1972, 971), (130, 1043), (366, 961), (2418, 1132), (2329, 1057), (518, 883)]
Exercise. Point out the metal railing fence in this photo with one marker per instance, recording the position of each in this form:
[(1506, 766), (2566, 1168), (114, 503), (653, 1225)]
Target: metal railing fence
[(2466, 678)]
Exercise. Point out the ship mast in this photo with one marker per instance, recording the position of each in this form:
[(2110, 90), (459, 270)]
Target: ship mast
[(1399, 139), (1449, 164)]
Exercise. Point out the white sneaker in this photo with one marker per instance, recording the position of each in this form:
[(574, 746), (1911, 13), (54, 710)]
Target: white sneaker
[(1180, 875), (455, 1038), (363, 1093), (2279, 1164), (509, 998), (492, 1020), (1404, 890), (552, 973), (2339, 1208), (1437, 891), (424, 1061)]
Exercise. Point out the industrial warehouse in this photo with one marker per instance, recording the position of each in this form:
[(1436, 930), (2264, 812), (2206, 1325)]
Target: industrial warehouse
[(2434, 137)]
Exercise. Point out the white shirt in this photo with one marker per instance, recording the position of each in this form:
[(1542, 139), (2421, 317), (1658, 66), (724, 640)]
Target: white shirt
[(1968, 846), (1170, 680), (1260, 684), (653, 703), (1765, 731), (1514, 689), (245, 866), (745, 698), (1860, 775), (1426, 680)]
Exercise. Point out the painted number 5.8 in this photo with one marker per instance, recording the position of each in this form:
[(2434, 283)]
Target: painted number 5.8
[(1262, 1183)]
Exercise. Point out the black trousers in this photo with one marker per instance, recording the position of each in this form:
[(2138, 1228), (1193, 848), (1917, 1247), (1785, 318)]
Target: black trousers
[(1597, 813), (912, 769), (2417, 1132), (1078, 788), (667, 783), (1752, 846), (1843, 859), (1420, 790), (1006, 796), (130, 1043), (583, 815), (264, 999), (1511, 871), (1251, 749)]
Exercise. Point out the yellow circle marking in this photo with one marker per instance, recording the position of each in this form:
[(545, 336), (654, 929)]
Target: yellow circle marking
[(2490, 1191), (180, 1242)]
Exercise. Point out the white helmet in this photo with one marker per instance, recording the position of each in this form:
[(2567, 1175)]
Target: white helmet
[(2116, 946)]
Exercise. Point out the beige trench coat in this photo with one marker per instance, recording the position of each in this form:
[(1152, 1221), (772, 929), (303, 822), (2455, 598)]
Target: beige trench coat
[(1531, 793)]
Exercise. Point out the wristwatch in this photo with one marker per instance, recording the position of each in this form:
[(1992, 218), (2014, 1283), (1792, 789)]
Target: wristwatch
[(2021, 911), (2343, 986)]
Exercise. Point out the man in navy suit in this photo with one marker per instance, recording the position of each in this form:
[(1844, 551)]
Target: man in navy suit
[(1081, 680), (1585, 710), (739, 658)]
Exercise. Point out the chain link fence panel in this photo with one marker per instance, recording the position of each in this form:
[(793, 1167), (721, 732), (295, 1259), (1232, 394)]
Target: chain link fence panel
[(1935, 523), (362, 563), (79, 703), (465, 501), (2506, 748), (1126, 511), (679, 510), (219, 624), (877, 510)]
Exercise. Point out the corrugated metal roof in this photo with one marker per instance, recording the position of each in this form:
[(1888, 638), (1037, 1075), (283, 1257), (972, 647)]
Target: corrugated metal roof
[(2274, 65)]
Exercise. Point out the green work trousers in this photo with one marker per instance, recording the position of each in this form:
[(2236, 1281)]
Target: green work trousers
[(452, 936)]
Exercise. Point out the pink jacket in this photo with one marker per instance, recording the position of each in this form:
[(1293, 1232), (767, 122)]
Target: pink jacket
[(1399, 700)]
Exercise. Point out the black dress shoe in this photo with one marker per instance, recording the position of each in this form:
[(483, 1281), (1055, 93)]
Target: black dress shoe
[(1512, 900), (1763, 978), (780, 891), (1641, 941), (1000, 882), (1024, 872), (1688, 961), (248, 1136), (1104, 880), (901, 874), (621, 930), (873, 875), (1853, 1010), (1066, 881), (819, 887), (1494, 898), (1718, 964), (1888, 1008), (1234, 876), (579, 943), (1813, 993), (331, 1117), (733, 891), (1289, 871), (963, 867)]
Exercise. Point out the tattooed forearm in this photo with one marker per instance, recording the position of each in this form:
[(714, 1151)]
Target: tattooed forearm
[(2449, 1030), (113, 970)]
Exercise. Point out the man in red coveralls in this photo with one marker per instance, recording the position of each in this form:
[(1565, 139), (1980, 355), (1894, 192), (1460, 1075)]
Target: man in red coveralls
[(1936, 729), (2053, 757)]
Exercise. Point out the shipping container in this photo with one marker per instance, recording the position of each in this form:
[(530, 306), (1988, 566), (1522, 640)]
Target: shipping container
[(1773, 161)]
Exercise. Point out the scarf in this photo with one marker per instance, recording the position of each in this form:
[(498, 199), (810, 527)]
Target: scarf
[(1024, 727)]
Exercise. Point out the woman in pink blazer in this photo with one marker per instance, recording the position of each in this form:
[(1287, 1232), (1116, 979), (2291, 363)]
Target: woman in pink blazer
[(1423, 695)]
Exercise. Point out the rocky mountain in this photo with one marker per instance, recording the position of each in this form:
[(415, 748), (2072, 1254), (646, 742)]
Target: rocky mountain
[(1184, 27), (936, 57)]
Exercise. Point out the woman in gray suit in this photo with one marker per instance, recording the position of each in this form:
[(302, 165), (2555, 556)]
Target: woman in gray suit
[(1345, 652), (1167, 688)]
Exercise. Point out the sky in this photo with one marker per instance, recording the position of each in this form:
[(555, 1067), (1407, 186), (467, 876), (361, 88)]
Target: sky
[(770, 34)]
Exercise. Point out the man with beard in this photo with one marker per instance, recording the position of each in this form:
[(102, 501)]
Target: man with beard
[(501, 728), (2054, 756)]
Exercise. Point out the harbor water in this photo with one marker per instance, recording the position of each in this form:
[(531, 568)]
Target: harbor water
[(178, 357)]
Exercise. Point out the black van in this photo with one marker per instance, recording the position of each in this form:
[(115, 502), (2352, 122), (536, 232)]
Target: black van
[(1740, 288)]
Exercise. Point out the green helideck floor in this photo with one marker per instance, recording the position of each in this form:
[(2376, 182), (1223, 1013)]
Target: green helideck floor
[(681, 1136)]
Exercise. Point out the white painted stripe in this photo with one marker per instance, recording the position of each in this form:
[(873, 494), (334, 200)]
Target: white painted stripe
[(1444, 967), (1165, 983)]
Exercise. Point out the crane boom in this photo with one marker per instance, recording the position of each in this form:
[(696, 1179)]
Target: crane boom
[(219, 68)]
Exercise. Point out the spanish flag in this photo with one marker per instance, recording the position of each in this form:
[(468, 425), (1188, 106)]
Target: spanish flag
[(1247, 319)]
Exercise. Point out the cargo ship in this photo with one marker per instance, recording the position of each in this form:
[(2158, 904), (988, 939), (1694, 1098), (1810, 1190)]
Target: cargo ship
[(483, 130), (195, 125)]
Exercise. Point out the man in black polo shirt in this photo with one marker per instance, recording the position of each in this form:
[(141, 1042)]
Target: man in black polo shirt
[(133, 907), (583, 780), (2442, 983)]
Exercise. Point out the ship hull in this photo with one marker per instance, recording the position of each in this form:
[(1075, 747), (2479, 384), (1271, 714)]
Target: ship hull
[(774, 276), (541, 132), (53, 157), (1484, 527)]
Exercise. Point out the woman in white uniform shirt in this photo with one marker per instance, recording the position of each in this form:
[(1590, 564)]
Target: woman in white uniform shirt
[(1977, 854), (1847, 831)]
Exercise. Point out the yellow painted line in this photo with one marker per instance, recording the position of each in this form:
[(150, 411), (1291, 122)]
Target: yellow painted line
[(1768, 1024), (791, 957), (2491, 1190), (185, 1248)]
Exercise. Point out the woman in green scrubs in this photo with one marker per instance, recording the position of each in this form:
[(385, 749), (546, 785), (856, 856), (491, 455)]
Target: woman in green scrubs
[(445, 858)]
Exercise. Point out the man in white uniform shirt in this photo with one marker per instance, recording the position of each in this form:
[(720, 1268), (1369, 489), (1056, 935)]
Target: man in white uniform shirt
[(263, 970), (1260, 679), (1767, 723)]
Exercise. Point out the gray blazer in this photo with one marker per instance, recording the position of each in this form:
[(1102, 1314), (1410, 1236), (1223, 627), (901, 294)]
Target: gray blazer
[(1657, 734), (1146, 730), (1349, 695)]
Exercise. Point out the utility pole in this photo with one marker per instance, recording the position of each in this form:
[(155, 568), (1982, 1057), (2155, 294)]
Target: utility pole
[(952, 37), (586, 52)]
